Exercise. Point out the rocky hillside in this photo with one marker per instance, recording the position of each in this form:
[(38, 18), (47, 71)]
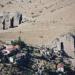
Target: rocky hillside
[(44, 19)]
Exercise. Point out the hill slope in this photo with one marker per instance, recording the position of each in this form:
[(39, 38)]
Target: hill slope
[(47, 19)]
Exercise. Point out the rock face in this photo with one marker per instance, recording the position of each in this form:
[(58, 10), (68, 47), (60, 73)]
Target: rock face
[(65, 43), (10, 20)]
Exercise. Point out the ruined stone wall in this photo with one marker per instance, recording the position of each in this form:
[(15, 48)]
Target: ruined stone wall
[(10, 20), (66, 43), (56, 45), (1, 20)]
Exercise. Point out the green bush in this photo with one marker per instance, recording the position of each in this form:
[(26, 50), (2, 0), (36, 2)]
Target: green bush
[(19, 42)]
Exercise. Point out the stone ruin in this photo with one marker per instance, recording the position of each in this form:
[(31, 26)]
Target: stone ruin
[(65, 43), (10, 20)]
